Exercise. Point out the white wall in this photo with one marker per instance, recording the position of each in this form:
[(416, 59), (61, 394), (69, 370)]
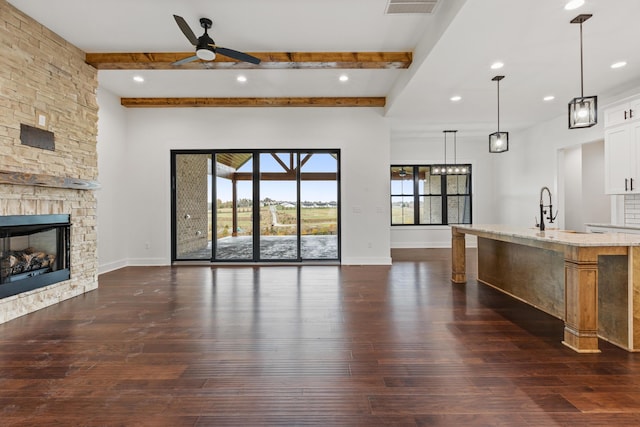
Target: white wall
[(429, 149), (113, 217), (362, 135)]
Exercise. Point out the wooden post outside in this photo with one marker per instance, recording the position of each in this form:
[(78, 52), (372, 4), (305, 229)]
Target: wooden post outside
[(234, 209)]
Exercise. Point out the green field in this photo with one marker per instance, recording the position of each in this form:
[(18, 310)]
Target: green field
[(401, 215), (315, 221)]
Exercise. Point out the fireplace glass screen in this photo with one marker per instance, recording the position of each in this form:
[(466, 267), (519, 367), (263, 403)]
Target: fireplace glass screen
[(34, 252)]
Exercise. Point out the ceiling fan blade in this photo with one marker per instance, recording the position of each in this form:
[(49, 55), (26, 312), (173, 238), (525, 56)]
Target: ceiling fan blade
[(186, 30), (237, 55), (186, 60)]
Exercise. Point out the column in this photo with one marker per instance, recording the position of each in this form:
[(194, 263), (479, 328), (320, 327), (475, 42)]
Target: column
[(458, 260), (581, 300)]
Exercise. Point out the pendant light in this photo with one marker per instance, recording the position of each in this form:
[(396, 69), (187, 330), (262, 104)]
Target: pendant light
[(498, 141), (583, 111), (454, 168)]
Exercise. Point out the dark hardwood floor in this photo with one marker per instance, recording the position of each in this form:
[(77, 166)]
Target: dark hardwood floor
[(306, 346)]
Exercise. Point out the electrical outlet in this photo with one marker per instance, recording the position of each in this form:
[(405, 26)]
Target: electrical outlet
[(147, 245)]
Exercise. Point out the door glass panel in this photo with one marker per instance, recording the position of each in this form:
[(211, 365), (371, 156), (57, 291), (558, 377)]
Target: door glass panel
[(278, 206), (458, 199), (319, 206), (193, 213), (430, 192), (234, 206), (402, 197)]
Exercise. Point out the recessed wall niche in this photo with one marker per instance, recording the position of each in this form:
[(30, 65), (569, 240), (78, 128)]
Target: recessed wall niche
[(38, 138)]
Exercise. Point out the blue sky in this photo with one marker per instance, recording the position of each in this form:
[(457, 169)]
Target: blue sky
[(313, 191)]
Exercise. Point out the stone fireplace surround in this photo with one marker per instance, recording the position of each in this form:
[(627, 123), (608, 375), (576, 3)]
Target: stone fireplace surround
[(35, 200)]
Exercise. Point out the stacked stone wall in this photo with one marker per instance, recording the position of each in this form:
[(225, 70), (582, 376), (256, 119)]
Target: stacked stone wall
[(192, 213), (43, 76)]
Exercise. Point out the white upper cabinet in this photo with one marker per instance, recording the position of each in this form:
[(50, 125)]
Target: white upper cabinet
[(622, 148), (622, 113)]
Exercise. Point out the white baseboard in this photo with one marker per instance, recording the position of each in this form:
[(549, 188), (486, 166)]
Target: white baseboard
[(366, 261), (144, 262), (111, 266)]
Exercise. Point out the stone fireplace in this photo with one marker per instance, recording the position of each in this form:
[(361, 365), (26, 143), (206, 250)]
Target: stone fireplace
[(47, 84), (34, 252)]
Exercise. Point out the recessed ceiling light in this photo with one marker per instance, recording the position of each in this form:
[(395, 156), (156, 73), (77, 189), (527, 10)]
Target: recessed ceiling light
[(497, 65), (456, 98), (138, 79), (241, 79), (619, 64), (573, 4), (343, 78), (549, 98)]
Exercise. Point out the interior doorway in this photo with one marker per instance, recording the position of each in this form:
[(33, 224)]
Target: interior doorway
[(581, 195), (256, 205)]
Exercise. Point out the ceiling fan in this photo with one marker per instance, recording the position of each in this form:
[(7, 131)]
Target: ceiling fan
[(206, 48)]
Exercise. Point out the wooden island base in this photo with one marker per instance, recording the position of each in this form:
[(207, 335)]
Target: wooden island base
[(587, 280)]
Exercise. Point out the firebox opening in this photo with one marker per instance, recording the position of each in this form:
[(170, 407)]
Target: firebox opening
[(34, 252)]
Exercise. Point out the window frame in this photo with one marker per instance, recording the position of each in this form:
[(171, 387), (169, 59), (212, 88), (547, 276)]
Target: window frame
[(414, 169)]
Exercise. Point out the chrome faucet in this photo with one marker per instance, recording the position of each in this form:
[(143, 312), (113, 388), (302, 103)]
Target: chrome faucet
[(543, 212)]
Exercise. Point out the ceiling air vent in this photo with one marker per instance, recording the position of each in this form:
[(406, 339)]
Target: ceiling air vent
[(411, 6)]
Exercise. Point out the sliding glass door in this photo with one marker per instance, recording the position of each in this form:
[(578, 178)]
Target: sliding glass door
[(319, 207), (279, 206), (233, 216), (255, 205)]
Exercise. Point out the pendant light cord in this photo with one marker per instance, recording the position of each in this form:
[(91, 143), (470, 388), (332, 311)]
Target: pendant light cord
[(445, 148), (455, 150), (581, 66), (498, 106)]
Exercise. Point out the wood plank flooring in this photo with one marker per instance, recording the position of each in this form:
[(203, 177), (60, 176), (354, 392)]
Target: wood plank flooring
[(305, 346)]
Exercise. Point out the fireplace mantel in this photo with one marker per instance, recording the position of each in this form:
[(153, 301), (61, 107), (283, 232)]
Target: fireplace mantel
[(42, 180)]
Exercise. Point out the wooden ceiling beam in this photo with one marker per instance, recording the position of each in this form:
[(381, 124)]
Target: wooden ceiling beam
[(253, 102), (269, 60)]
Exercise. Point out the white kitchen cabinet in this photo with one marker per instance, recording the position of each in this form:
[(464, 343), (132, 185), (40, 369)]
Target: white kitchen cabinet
[(622, 149), (625, 112)]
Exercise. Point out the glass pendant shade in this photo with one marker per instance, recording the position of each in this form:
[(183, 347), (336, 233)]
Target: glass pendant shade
[(583, 112), (499, 142)]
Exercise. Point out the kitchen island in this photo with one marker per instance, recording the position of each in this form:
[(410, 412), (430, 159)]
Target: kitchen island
[(590, 281)]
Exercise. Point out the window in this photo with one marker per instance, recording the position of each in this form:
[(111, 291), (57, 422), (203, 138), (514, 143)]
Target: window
[(425, 195)]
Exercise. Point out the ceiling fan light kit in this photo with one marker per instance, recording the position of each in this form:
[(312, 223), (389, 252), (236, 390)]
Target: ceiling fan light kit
[(583, 110), (206, 53)]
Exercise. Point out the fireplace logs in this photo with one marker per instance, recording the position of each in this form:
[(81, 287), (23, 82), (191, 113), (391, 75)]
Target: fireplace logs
[(26, 260)]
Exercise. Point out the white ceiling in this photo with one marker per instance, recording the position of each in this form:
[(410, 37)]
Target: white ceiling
[(453, 49)]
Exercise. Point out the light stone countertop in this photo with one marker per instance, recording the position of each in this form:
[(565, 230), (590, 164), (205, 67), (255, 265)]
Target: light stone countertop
[(567, 237), (616, 226)]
